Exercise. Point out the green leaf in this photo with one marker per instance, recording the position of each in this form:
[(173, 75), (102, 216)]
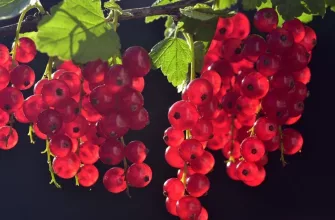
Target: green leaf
[(267, 4), (170, 27), (31, 35), (316, 6), (199, 53), (305, 18), (290, 9), (77, 30), (112, 5), (202, 30), (173, 56), (251, 4), (150, 19), (330, 2), (203, 12), (223, 4), (12, 8), (332, 8)]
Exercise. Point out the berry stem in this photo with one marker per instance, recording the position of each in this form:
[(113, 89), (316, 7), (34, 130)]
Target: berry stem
[(31, 134), (52, 174), (77, 180), (48, 69), (232, 129), (282, 157), (125, 167), (38, 6)]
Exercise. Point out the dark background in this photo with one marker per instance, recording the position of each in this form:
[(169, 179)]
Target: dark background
[(302, 190)]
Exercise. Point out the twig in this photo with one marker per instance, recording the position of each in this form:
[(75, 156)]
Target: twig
[(137, 13)]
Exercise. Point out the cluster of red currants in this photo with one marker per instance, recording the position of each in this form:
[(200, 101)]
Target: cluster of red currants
[(82, 113), (249, 89)]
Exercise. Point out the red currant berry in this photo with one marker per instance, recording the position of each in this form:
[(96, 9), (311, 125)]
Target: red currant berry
[(247, 106), (252, 149), (72, 80), (173, 158), (139, 120), (111, 152), (214, 79), (259, 178), (255, 86), (202, 130), (190, 149), (49, 122), (268, 64), (173, 137), (171, 206), (296, 27), (69, 109), (266, 20), (33, 106), (203, 164), (137, 61), (173, 188), (114, 180), (77, 128), (183, 115), (279, 40), (66, 167), (26, 50), (94, 71), (11, 99), (197, 185), (232, 149), (68, 65), (303, 76), (88, 175), (296, 58), (139, 175), (224, 28), (102, 100), (292, 141), (136, 152), (55, 92), (88, 153), (241, 26), (253, 47), (199, 91), (114, 125), (246, 171), (137, 83), (8, 138), (188, 207), (60, 145), (232, 50), (117, 78), (265, 129), (231, 170), (4, 54), (310, 39)]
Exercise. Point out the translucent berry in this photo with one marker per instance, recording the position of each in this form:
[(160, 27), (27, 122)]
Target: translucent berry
[(292, 141), (255, 86), (279, 40), (77, 128), (55, 92), (203, 164), (241, 26), (190, 149), (246, 171), (232, 149), (224, 28), (296, 27), (114, 125), (252, 149), (253, 47), (202, 130), (60, 145), (4, 54), (69, 109), (199, 91), (33, 106), (49, 122), (173, 158), (188, 207), (183, 115), (4, 76), (66, 167), (231, 50), (310, 39), (8, 138), (11, 99), (111, 152), (171, 206), (173, 137), (94, 71), (137, 61), (265, 129), (88, 153), (88, 175), (114, 180), (268, 64), (197, 185), (139, 120), (174, 189), (139, 175), (136, 151), (231, 170), (266, 20), (72, 80), (26, 50)]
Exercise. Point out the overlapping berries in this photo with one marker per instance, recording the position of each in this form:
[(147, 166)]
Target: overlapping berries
[(82, 113), (249, 90)]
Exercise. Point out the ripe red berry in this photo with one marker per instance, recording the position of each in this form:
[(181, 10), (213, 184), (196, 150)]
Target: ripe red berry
[(11, 99), (174, 189), (213, 78), (224, 28), (102, 100), (255, 86), (266, 20), (114, 180), (197, 185), (310, 39), (279, 40), (8, 138), (199, 91), (202, 130), (247, 106), (188, 207), (265, 129), (283, 81), (241, 26), (268, 64), (246, 171), (190, 149), (231, 170), (4, 118), (259, 178), (69, 109), (55, 92), (4, 54), (66, 167), (88, 153), (4, 76), (77, 128), (117, 78), (94, 71), (137, 83), (232, 149), (203, 164), (183, 115), (136, 151), (88, 175), (253, 47), (173, 158), (114, 125), (222, 67), (171, 207), (33, 106), (139, 175), (252, 149), (303, 76), (60, 145), (111, 152), (26, 50), (231, 50), (296, 58), (22, 77), (132, 101), (139, 120), (296, 27), (72, 80), (49, 122), (68, 65), (137, 61), (173, 137), (292, 141)]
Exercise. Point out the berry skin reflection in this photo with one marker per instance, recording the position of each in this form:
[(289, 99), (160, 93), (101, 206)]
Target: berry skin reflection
[(82, 113), (249, 90)]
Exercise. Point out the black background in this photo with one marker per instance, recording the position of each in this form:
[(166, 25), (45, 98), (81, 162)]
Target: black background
[(302, 190)]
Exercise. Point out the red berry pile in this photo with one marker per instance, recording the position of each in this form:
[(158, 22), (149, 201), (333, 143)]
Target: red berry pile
[(249, 90), (82, 113)]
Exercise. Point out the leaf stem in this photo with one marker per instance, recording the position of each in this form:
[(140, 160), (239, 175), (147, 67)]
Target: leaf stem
[(190, 42), (52, 174), (282, 157), (38, 6), (31, 134), (125, 167)]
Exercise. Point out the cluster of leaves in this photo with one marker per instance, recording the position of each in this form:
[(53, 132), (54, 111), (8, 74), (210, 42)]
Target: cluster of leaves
[(173, 56)]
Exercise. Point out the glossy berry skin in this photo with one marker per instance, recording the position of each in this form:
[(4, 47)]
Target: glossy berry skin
[(231, 50), (88, 153), (268, 64), (279, 40), (4, 77), (296, 27), (252, 149), (223, 29), (241, 26), (247, 106), (211, 110), (11, 99), (183, 115), (4, 118), (137, 83), (68, 65), (77, 128), (173, 137), (26, 50), (292, 141), (232, 149), (94, 71), (66, 167), (132, 100), (88, 111), (93, 136), (266, 20), (137, 61), (199, 91), (117, 78), (213, 78), (170, 205), (253, 47), (49, 122), (69, 109), (203, 130), (265, 129), (20, 117), (55, 92), (255, 86), (173, 188), (39, 85), (246, 171), (60, 145), (136, 152), (4, 54), (32, 106), (72, 80), (88, 175), (203, 164), (173, 158), (111, 152), (231, 170), (114, 180), (259, 178), (197, 185), (22, 77), (283, 81), (223, 68), (139, 120), (139, 175), (303, 76), (190, 149), (310, 39), (296, 58), (188, 207), (8, 138), (102, 100), (114, 125)]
